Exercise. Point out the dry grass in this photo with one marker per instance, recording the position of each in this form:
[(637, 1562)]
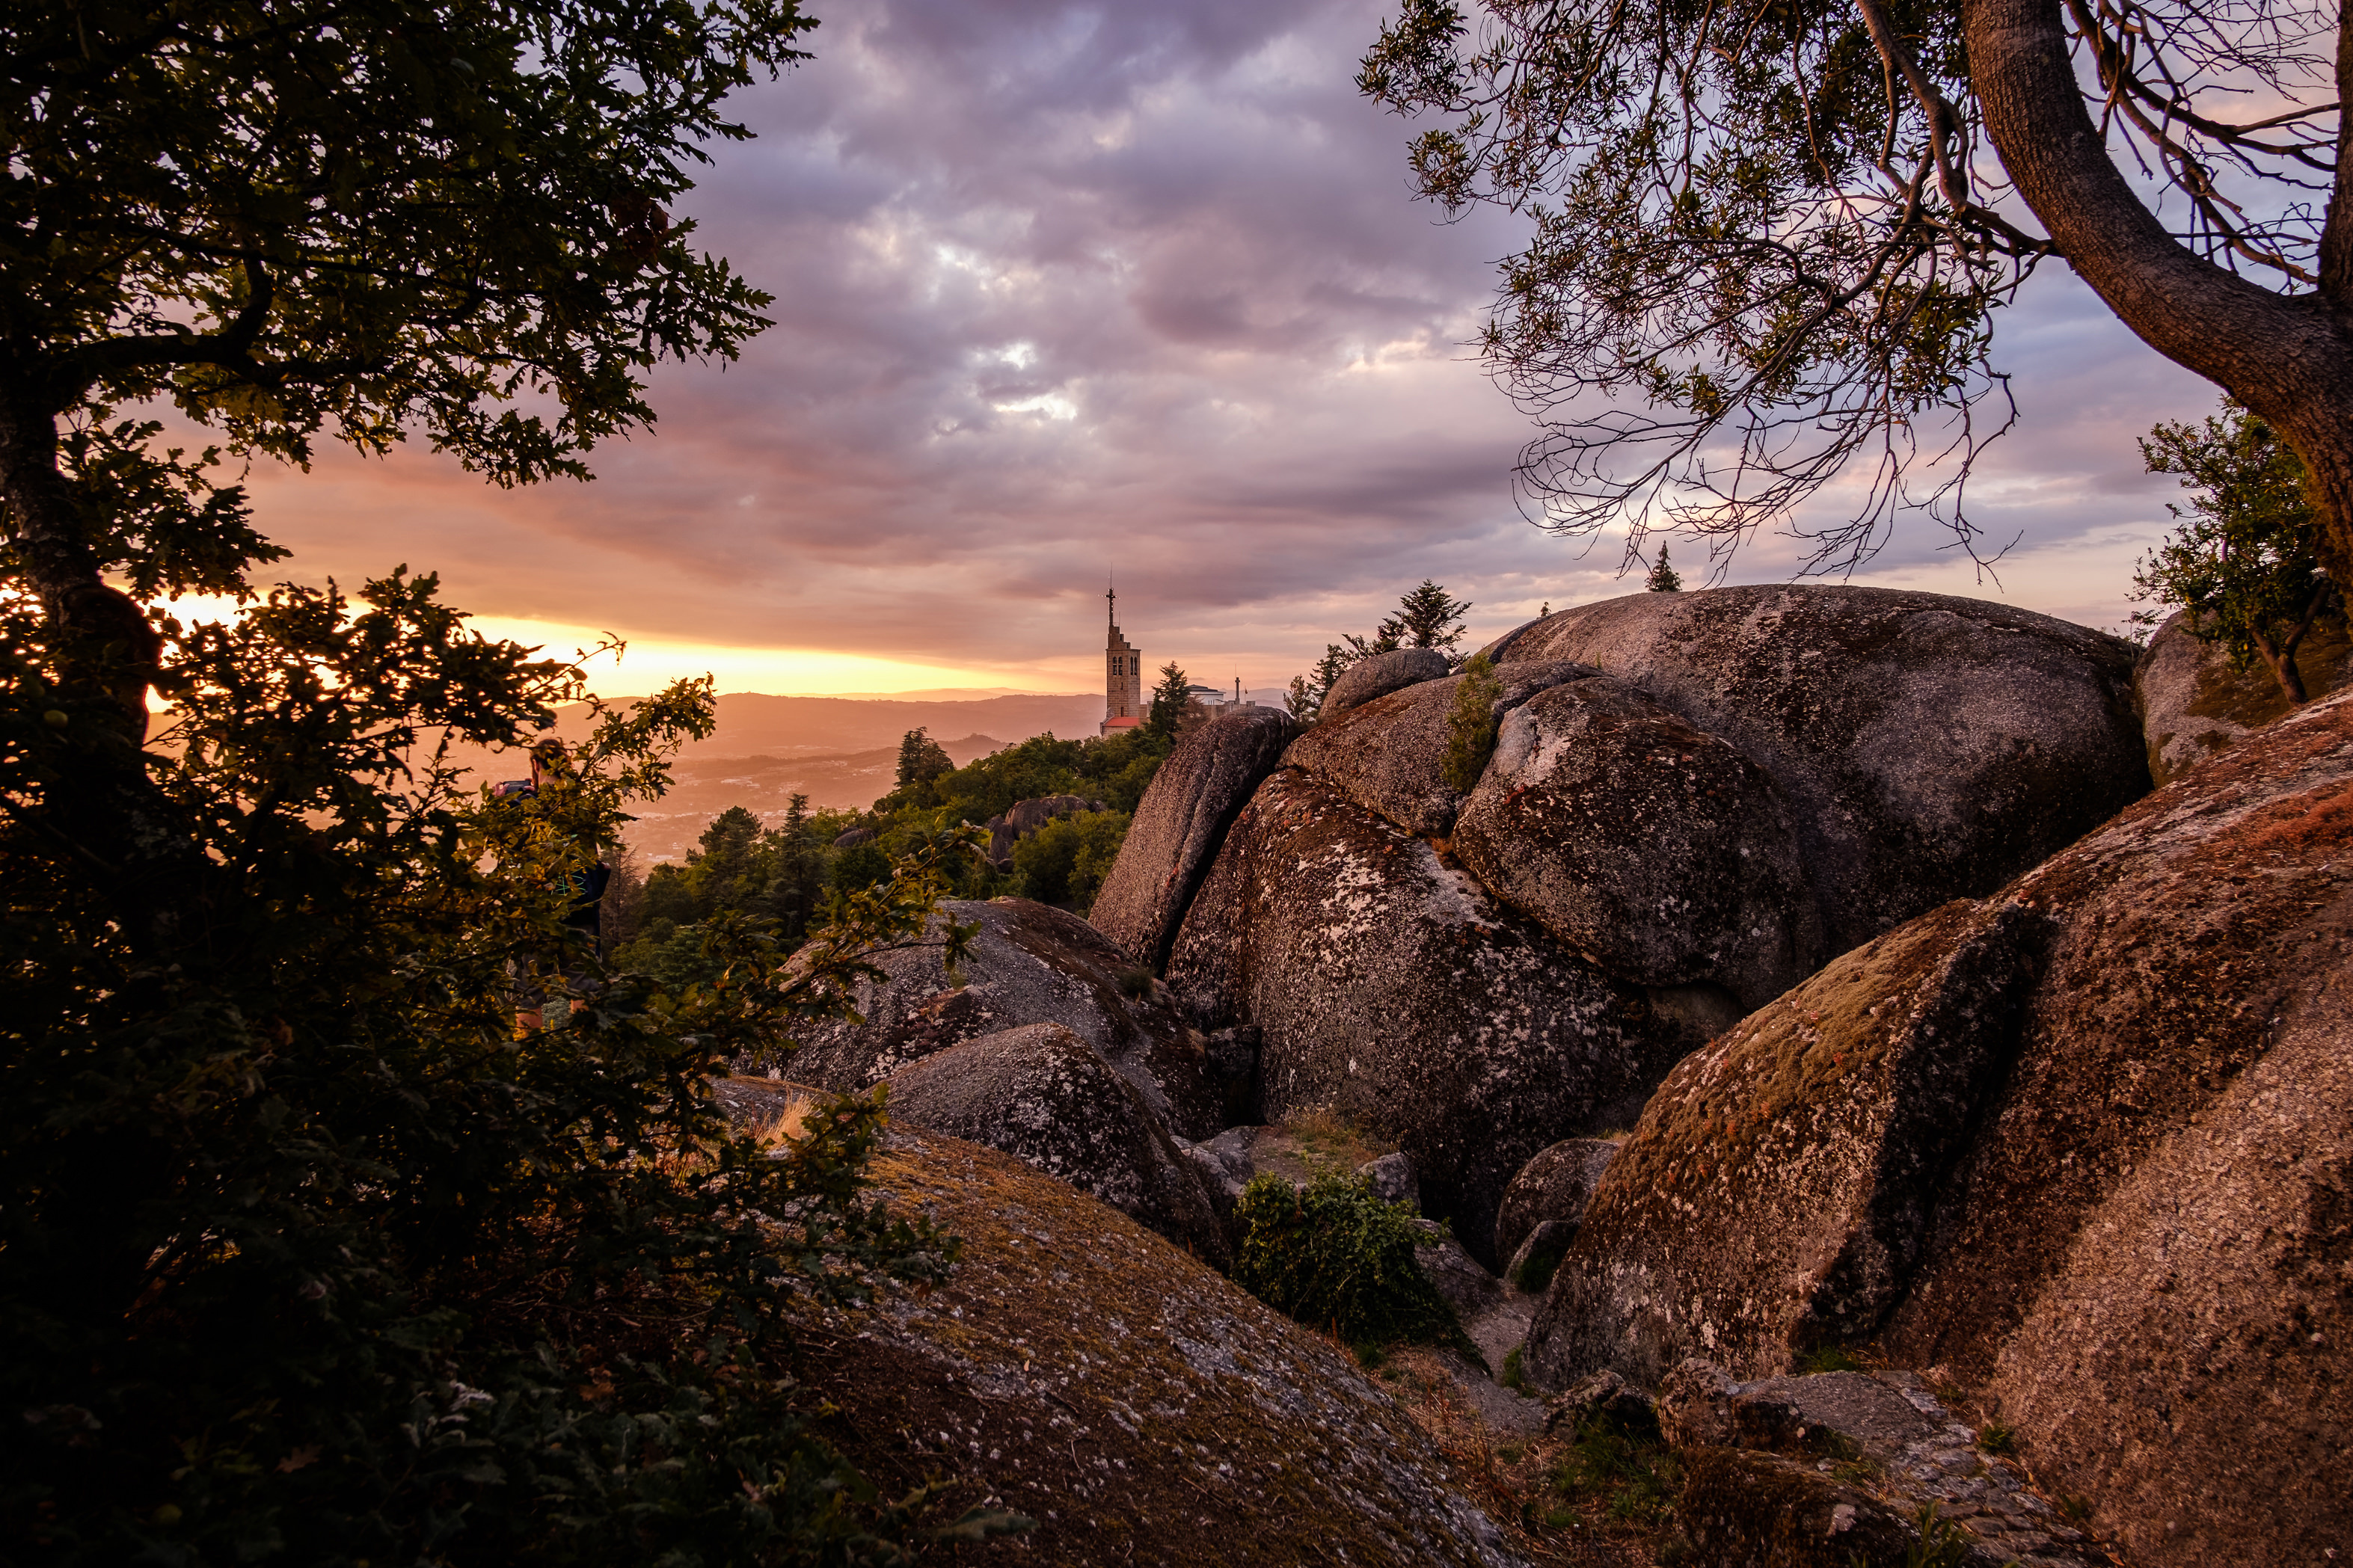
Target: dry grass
[(1329, 1143), (785, 1126)]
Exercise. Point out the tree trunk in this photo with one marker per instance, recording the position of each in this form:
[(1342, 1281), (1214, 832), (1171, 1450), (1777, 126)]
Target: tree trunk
[(2289, 358), (2282, 661), (106, 813)]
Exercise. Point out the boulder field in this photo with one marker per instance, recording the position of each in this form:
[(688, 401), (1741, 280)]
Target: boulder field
[(1944, 1043), (2085, 1145), (1692, 803)]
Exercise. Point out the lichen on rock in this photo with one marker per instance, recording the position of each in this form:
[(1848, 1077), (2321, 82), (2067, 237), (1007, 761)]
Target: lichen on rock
[(1389, 987), (1082, 1370)]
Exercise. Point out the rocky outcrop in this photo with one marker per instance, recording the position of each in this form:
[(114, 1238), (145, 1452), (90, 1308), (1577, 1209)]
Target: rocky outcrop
[(1927, 746), (1389, 754), (1773, 1464), (2087, 1146), (1029, 964), (1555, 1185), (1080, 1371), (2193, 704), (1178, 825), (1380, 674), (1776, 1194), (1661, 853), (1391, 989), (1025, 817), (1049, 1099)]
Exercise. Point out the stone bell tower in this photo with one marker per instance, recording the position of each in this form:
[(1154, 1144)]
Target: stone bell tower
[(1122, 677)]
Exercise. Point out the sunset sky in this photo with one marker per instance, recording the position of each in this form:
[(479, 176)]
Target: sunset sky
[(1064, 290)]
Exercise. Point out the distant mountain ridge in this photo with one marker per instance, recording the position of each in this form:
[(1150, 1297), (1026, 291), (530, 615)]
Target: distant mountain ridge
[(753, 723)]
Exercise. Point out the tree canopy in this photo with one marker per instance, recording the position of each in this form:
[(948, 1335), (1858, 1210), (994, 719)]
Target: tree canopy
[(1770, 239), (2243, 562), (293, 218), (314, 1247)]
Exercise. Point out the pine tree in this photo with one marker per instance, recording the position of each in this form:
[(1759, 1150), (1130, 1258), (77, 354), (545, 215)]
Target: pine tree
[(1471, 726), (921, 759), (1429, 616), (1663, 579), (1169, 699)]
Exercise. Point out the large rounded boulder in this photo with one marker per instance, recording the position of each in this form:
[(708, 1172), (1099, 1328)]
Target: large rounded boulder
[(1177, 826), (1079, 1370), (1029, 964), (1049, 1099), (1659, 851), (1389, 755), (1379, 674), (1388, 986), (2086, 1145), (1928, 746)]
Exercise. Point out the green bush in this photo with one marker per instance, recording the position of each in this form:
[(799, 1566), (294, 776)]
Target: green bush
[(1065, 862), (1471, 725), (1339, 1259), (1623, 1465), (1540, 1265), (305, 1255)]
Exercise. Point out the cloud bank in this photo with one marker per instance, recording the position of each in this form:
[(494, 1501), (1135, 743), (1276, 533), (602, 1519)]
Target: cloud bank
[(1070, 290)]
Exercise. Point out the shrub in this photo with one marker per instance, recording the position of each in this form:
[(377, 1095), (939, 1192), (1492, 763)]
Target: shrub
[(1471, 727), (1830, 1358), (1623, 1465), (1537, 1270), (1065, 861), (1335, 1257)]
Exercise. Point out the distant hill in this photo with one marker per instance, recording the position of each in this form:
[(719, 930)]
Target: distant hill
[(839, 751), (706, 785)]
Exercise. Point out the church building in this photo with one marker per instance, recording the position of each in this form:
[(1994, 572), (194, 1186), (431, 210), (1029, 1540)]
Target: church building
[(1122, 678)]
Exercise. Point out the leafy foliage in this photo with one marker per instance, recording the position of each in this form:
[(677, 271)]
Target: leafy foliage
[(1622, 1464), (1540, 1264), (298, 215), (1471, 724), (1115, 769), (1064, 863), (308, 1258), (1335, 1257), (780, 875), (312, 1248), (2245, 562)]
